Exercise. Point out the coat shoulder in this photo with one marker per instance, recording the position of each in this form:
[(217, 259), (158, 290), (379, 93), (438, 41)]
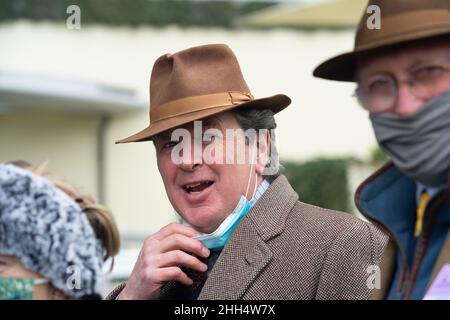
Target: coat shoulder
[(335, 223), (349, 247)]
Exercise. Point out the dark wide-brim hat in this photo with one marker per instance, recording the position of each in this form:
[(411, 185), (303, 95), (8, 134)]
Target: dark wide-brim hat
[(402, 22), (197, 83)]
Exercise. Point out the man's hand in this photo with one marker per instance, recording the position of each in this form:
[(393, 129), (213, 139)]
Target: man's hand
[(160, 259)]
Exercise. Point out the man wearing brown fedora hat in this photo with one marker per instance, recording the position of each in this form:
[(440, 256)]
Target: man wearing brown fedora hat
[(244, 234), (402, 71)]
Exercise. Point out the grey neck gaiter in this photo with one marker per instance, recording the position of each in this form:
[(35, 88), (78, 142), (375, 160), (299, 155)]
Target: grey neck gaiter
[(418, 145)]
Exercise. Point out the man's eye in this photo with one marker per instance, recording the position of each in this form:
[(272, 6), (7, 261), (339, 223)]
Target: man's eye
[(380, 86), (209, 137), (169, 145), (428, 73)]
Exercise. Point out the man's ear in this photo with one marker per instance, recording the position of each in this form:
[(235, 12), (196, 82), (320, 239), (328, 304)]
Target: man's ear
[(263, 151)]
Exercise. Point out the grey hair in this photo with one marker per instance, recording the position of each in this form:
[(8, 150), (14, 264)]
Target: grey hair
[(258, 119)]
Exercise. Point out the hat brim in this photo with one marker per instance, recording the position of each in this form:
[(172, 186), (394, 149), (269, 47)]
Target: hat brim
[(275, 103), (343, 67)]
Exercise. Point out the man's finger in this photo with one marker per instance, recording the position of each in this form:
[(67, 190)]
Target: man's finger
[(178, 258), (182, 242), (175, 228), (173, 274)]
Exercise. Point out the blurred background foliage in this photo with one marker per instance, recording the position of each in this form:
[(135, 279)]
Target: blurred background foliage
[(134, 12), (377, 157), (322, 182)]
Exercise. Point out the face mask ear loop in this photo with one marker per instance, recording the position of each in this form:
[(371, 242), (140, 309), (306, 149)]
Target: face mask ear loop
[(256, 185), (256, 175), (250, 173), (40, 281)]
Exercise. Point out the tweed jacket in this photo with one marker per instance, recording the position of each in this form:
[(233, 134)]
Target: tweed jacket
[(286, 249)]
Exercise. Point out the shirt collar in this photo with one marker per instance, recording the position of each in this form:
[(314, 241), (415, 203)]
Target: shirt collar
[(259, 192), (432, 191)]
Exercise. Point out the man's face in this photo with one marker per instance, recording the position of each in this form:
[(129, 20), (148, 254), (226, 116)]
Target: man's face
[(205, 206), (412, 76)]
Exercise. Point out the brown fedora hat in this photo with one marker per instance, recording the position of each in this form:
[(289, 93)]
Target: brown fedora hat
[(402, 22), (197, 83)]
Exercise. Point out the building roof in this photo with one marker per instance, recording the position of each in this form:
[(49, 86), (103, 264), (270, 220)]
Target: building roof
[(31, 91), (324, 14)]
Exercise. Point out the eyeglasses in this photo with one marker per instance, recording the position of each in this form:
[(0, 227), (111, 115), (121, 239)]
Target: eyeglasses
[(379, 93)]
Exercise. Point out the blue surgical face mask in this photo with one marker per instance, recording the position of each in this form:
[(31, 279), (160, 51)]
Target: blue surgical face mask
[(18, 288), (218, 238)]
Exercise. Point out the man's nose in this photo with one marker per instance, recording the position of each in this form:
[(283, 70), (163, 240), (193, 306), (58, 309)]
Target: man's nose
[(189, 166), (192, 161), (407, 104)]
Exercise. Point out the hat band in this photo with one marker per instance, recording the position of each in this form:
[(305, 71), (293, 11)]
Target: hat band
[(397, 26), (197, 103)]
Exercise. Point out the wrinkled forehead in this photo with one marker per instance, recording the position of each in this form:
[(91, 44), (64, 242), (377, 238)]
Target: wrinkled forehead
[(404, 58)]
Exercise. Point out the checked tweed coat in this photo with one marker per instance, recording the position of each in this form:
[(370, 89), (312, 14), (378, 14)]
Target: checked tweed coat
[(286, 249)]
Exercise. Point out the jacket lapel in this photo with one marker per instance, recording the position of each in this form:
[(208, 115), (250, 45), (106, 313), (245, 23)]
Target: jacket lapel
[(247, 254), (389, 259), (238, 266), (174, 290)]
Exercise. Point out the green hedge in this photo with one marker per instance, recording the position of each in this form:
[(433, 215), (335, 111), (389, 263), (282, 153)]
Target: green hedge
[(132, 12), (377, 157), (321, 182)]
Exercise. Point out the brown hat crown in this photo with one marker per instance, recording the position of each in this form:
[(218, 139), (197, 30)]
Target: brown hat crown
[(401, 18), (194, 72), (197, 83)]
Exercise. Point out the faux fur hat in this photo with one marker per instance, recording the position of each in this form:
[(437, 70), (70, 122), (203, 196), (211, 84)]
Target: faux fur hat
[(48, 232)]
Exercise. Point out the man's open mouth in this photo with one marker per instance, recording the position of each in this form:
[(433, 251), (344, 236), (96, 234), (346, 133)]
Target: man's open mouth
[(197, 187)]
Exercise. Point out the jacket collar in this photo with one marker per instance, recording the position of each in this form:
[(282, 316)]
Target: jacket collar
[(247, 253), (279, 199), (386, 198)]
